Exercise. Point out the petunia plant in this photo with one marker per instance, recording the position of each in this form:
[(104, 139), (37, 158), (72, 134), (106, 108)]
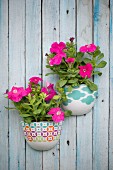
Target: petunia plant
[(75, 68), (36, 103)]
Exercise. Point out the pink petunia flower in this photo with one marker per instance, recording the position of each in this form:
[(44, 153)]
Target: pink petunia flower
[(57, 59), (49, 91), (35, 80), (58, 115), (88, 48), (44, 90), (28, 90), (52, 111), (70, 60), (49, 85), (16, 94), (86, 71), (57, 48)]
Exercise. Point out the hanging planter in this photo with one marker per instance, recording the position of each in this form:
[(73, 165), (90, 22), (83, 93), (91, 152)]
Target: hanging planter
[(42, 135), (40, 109), (76, 71), (80, 100)]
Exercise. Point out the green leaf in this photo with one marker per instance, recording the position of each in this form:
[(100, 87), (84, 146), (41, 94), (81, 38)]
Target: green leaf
[(72, 81), (56, 97), (28, 120), (33, 100), (79, 57), (87, 60), (62, 82), (29, 96), (38, 111), (25, 115), (43, 112), (48, 116), (92, 86), (97, 73), (69, 88), (100, 56), (68, 113), (96, 53), (10, 108), (102, 64), (37, 103), (26, 106)]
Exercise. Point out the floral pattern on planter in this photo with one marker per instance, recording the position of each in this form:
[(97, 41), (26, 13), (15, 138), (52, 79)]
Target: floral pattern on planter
[(42, 131), (80, 100)]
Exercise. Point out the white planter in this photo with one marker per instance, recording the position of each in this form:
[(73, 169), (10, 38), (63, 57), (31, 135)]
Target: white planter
[(42, 135), (80, 100)]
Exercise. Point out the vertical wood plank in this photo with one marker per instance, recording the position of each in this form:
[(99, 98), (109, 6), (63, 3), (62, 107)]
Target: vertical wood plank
[(84, 123), (33, 65), (4, 84), (68, 137), (101, 110), (16, 77), (50, 32), (111, 90)]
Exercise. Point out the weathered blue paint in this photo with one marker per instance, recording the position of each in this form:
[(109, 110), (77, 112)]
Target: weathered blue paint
[(96, 19), (101, 110)]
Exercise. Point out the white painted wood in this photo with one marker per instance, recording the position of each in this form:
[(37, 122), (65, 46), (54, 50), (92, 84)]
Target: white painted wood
[(4, 84), (33, 65), (101, 110), (25, 60), (68, 144), (84, 123), (111, 91), (68, 137), (50, 30), (67, 20), (16, 77)]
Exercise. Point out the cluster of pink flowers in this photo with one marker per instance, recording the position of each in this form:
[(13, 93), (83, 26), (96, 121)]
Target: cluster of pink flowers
[(49, 91), (58, 50), (84, 71), (57, 114), (17, 93)]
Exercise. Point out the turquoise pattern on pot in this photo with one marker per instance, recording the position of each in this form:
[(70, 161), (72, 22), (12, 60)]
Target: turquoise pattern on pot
[(80, 100), (76, 95)]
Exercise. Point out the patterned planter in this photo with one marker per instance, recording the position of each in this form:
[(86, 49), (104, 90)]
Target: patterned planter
[(80, 100), (42, 135)]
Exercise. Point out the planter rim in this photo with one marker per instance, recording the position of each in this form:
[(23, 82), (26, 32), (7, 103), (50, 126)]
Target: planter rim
[(41, 122), (79, 86)]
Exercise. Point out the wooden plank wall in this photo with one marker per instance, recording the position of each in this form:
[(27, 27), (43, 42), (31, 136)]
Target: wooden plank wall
[(27, 29)]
